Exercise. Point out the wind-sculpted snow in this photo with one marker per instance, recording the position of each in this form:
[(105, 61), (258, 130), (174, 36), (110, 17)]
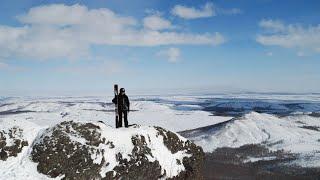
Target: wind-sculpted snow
[(294, 134)]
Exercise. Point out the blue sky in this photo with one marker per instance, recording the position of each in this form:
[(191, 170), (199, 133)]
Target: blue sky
[(164, 46)]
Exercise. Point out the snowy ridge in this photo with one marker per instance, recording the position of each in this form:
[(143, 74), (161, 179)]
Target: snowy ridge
[(105, 153), (292, 134)]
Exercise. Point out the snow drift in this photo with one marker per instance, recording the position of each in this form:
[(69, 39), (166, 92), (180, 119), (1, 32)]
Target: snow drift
[(94, 150)]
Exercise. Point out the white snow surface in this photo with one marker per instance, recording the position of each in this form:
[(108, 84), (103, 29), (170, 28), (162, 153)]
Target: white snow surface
[(54, 110), (285, 133)]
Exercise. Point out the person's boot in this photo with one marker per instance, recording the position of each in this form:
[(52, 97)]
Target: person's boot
[(120, 123)]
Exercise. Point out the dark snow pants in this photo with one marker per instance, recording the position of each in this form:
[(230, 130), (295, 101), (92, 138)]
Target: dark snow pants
[(125, 118)]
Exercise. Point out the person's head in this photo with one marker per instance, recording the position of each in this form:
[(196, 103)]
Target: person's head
[(122, 91)]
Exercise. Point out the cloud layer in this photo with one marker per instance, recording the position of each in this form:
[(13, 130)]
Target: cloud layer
[(192, 12), (61, 31), (289, 35), (156, 22), (208, 10)]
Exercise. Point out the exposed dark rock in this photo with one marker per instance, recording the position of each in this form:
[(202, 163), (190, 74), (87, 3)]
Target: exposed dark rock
[(14, 135), (58, 155), (64, 114), (315, 114), (192, 164), (138, 167), (67, 150), (314, 128)]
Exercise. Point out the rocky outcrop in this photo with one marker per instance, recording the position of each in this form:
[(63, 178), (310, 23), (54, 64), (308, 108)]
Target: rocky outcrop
[(11, 142), (193, 164), (75, 150)]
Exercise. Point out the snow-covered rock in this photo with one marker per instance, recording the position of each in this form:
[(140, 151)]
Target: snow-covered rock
[(15, 137), (94, 150), (12, 142)]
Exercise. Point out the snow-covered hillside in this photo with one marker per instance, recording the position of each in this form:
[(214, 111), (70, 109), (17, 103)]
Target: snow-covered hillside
[(295, 134)]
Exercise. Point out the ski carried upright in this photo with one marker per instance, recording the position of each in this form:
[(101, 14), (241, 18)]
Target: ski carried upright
[(116, 93)]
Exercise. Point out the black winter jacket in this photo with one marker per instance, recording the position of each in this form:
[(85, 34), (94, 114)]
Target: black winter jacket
[(123, 102)]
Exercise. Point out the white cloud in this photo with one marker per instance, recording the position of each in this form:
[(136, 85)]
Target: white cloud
[(61, 31), (171, 54), (60, 14), (193, 13), (273, 25), (208, 10), (289, 35), (156, 22)]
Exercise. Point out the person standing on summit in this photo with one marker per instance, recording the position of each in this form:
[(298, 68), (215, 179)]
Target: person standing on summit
[(123, 103)]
